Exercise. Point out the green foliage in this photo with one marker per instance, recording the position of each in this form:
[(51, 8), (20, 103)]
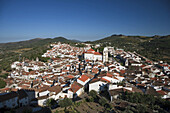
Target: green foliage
[(90, 99), (56, 111), (80, 45), (2, 83), (44, 59), (65, 102), (141, 108), (5, 75), (144, 99), (38, 46), (155, 48), (93, 93), (108, 106), (102, 101), (50, 102)]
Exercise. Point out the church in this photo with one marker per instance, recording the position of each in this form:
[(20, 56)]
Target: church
[(92, 55)]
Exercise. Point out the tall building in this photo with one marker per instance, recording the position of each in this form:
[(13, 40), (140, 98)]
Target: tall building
[(106, 52), (105, 55)]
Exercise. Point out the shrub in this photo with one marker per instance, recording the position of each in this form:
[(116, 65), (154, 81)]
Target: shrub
[(102, 101), (65, 102), (2, 83), (93, 93), (50, 102), (90, 99)]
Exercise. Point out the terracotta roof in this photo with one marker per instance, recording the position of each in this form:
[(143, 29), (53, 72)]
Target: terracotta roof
[(83, 78), (162, 92), (97, 53), (4, 89), (122, 71), (42, 97), (90, 50), (105, 79), (56, 89), (70, 76), (75, 87), (44, 88), (109, 75)]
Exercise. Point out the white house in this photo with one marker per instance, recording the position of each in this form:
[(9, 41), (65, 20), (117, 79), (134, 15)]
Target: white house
[(43, 91), (55, 92), (92, 55), (75, 90), (83, 79), (97, 84)]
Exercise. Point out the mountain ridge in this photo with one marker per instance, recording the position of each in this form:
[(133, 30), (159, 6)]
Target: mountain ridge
[(154, 47)]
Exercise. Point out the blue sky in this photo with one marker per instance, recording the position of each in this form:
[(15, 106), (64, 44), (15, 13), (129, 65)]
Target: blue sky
[(82, 19)]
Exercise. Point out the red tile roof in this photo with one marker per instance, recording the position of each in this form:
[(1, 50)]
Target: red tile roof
[(83, 78), (97, 53), (161, 92), (70, 76), (105, 79), (75, 87), (90, 50), (122, 71)]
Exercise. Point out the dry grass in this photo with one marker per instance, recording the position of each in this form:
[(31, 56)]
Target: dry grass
[(21, 50)]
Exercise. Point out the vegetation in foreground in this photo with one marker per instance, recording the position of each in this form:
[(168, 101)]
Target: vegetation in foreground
[(2, 83), (127, 103)]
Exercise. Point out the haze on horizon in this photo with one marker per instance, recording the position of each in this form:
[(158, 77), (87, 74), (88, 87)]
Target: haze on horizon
[(82, 19)]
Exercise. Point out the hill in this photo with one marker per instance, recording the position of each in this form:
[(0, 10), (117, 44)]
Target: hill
[(155, 47), (10, 52)]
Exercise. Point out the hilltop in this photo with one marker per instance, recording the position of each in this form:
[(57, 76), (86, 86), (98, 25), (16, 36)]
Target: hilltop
[(155, 47), (9, 52)]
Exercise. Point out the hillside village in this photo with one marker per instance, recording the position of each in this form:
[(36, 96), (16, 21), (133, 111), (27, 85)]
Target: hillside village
[(72, 71)]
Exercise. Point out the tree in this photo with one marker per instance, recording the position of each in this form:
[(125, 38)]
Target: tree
[(93, 93), (50, 102), (141, 108), (2, 83), (90, 99), (102, 101), (65, 102)]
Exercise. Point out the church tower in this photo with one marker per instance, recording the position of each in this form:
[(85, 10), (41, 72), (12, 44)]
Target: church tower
[(105, 54)]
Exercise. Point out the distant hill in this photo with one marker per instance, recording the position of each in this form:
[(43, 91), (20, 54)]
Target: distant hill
[(155, 47), (9, 52), (31, 43), (74, 40)]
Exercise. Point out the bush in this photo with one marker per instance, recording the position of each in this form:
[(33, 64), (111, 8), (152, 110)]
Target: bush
[(50, 102), (65, 102), (108, 106), (141, 108), (2, 83), (90, 99), (102, 101), (93, 93), (4, 75)]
